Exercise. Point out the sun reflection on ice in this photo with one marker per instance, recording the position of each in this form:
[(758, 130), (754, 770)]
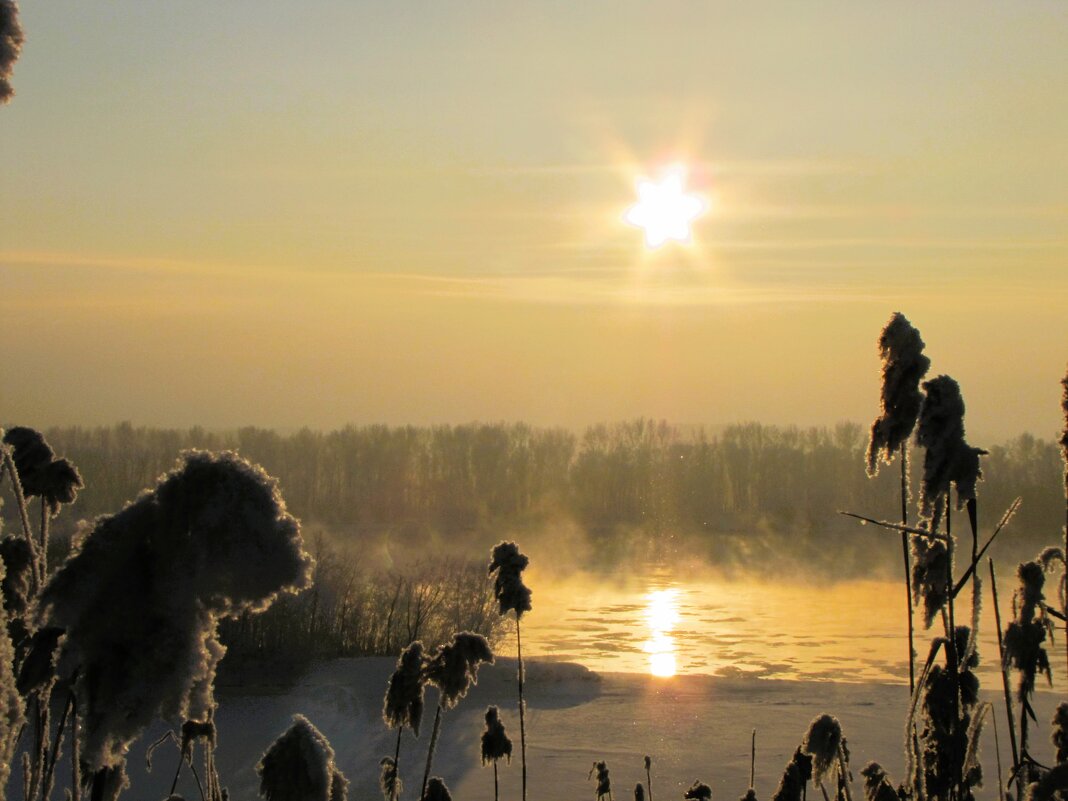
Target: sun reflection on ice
[(661, 616)]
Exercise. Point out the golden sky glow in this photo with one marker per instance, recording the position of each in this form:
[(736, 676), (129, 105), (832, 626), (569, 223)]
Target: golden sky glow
[(419, 212)]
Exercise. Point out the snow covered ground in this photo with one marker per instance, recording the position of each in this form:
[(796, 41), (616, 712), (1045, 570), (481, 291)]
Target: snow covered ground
[(693, 726)]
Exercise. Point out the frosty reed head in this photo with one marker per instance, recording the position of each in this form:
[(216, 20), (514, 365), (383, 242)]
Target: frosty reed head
[(877, 786), (299, 766), (1025, 635), (404, 696), (436, 790), (930, 566), (797, 773), (11, 39), (454, 667), (508, 587), (1059, 736), (604, 783), (639, 792), (140, 596), (388, 779), (42, 475), (904, 366), (495, 742), (948, 458), (17, 582), (822, 742), (699, 791)]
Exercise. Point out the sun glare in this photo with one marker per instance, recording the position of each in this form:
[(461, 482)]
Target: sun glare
[(664, 209), (661, 615)]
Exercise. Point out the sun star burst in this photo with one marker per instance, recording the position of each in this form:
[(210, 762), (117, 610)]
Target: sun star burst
[(664, 209)]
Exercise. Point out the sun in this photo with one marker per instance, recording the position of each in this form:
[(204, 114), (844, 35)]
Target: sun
[(664, 209)]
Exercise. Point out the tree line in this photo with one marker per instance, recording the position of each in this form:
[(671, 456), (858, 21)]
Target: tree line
[(744, 492)]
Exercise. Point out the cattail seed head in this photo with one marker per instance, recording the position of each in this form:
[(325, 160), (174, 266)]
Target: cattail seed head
[(508, 587), (389, 780), (141, 595), (436, 790), (41, 474), (403, 704), (604, 783), (948, 458), (822, 742), (798, 772), (10, 46), (299, 766), (495, 742), (1060, 732), (904, 366), (877, 786), (454, 667)]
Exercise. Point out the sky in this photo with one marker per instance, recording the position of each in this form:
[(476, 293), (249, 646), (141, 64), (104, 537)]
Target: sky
[(353, 211)]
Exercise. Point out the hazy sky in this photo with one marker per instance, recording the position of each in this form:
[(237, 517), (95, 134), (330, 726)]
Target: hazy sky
[(286, 214)]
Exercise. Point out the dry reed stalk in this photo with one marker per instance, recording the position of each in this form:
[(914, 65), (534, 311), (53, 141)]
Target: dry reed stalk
[(1005, 678)]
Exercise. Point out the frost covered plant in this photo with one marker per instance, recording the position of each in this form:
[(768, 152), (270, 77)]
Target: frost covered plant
[(403, 706), (649, 775), (299, 766), (877, 787), (1060, 732), (10, 46), (698, 792), (948, 459), (11, 711), (1064, 458), (823, 742), (54, 481), (453, 668), (750, 795), (140, 596), (904, 366), (513, 596), (639, 792), (951, 722), (604, 784), (17, 589), (930, 575), (495, 744), (436, 790), (1023, 644), (797, 774)]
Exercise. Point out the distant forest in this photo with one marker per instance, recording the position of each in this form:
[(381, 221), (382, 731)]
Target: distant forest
[(639, 489)]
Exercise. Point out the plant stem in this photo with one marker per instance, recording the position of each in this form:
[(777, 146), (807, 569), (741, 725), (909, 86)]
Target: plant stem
[(752, 761), (1004, 674), (430, 751), (951, 651), (522, 705), (908, 565), (75, 749), (496, 793), (396, 764), (50, 765), (44, 538)]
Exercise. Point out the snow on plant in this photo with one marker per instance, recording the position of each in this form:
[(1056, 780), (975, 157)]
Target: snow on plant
[(141, 594), (513, 596), (299, 766), (403, 706)]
